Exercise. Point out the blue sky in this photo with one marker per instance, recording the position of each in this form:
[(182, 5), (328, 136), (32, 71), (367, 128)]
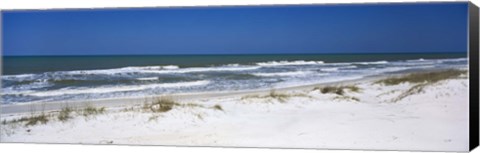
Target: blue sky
[(372, 28)]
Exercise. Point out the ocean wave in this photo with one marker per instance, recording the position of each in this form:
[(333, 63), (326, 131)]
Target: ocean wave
[(207, 69), (453, 60), (110, 89), (283, 63), (18, 76), (130, 69), (164, 69), (331, 69), (297, 73), (368, 63), (362, 63), (418, 60), (27, 88), (348, 67), (147, 78)]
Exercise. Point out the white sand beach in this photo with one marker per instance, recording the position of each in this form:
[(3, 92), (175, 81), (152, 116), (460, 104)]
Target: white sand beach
[(364, 114)]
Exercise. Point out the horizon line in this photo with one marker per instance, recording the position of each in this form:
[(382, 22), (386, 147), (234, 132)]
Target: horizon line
[(245, 54)]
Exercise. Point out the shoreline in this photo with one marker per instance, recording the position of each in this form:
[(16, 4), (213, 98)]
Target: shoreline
[(18, 108)]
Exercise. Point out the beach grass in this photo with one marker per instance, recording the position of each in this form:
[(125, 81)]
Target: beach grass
[(273, 94), (33, 120), (30, 120), (90, 110), (423, 77), (411, 91), (65, 114), (339, 90), (348, 98), (161, 104), (420, 80), (217, 107), (280, 96)]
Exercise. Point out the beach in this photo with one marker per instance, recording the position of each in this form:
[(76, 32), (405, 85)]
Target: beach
[(352, 77), (368, 113)]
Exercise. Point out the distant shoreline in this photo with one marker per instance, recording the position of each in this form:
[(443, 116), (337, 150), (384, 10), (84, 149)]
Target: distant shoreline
[(368, 53)]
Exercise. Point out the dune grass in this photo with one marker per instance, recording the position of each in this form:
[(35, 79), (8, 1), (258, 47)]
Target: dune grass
[(273, 94), (348, 98), (90, 110), (160, 105), (339, 90), (411, 91), (420, 81), (423, 77), (280, 96), (65, 114), (217, 107), (165, 104), (33, 120), (30, 120)]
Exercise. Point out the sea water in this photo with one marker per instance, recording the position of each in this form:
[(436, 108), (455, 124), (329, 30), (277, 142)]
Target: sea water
[(64, 78)]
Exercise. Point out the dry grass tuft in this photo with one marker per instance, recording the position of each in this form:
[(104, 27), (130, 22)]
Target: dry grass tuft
[(90, 110), (348, 98), (30, 120), (33, 120), (64, 114), (426, 77), (339, 90), (421, 80), (411, 91), (160, 105), (218, 107), (282, 97)]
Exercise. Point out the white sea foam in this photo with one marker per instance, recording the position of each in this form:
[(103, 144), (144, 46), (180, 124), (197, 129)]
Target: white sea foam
[(349, 67), (163, 69), (363, 63), (453, 60), (417, 60), (27, 88), (18, 76), (123, 70), (297, 73), (166, 67), (234, 64), (110, 89), (368, 63), (332, 69), (282, 63), (204, 69), (147, 78), (170, 67)]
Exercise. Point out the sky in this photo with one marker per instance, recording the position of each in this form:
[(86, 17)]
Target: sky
[(311, 29)]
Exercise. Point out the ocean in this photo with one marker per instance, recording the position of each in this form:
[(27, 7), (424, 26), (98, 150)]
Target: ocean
[(66, 78)]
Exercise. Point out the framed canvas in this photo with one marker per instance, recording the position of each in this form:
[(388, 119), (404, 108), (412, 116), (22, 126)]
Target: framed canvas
[(373, 76)]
